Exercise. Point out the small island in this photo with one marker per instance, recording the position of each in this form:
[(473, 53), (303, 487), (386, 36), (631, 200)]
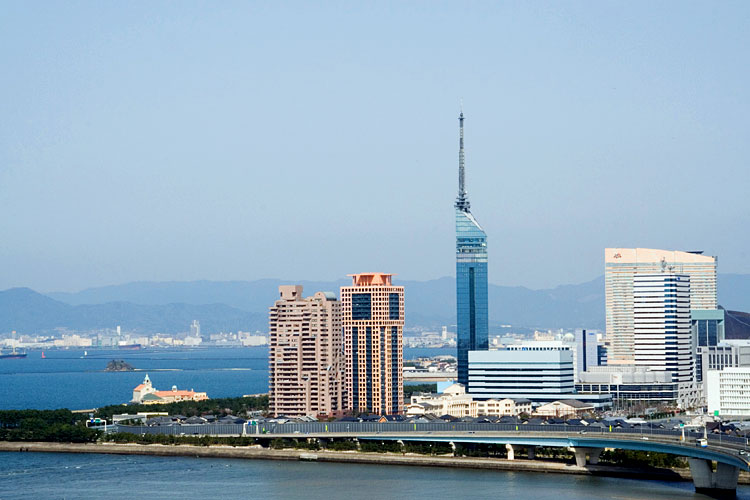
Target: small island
[(118, 366)]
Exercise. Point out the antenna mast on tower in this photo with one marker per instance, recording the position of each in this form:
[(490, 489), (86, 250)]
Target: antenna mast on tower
[(462, 201)]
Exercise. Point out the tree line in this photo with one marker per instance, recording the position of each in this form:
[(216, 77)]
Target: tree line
[(219, 407), (45, 425)]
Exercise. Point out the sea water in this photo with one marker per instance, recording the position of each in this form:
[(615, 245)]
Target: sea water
[(76, 379), (72, 379), (91, 476)]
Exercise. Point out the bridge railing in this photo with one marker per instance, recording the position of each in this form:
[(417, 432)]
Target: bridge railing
[(265, 428), (184, 429)]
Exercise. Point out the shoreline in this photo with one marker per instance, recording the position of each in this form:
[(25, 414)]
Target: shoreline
[(257, 453)]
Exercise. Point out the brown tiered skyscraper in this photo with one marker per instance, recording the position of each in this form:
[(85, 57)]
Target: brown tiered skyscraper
[(305, 359), (373, 323)]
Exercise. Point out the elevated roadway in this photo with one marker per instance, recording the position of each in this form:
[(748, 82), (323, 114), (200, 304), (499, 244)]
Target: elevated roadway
[(729, 453)]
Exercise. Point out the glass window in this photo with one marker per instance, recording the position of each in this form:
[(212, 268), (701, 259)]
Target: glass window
[(393, 306), (361, 306)]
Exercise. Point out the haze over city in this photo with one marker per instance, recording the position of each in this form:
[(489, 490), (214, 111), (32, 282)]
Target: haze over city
[(196, 141)]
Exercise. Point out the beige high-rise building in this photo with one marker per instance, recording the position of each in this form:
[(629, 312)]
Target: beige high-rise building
[(622, 264), (373, 325), (305, 359)]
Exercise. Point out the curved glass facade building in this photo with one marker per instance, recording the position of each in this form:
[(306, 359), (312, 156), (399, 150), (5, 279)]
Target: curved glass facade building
[(471, 275)]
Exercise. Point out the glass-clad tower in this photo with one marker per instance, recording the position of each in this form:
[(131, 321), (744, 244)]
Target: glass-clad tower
[(471, 274)]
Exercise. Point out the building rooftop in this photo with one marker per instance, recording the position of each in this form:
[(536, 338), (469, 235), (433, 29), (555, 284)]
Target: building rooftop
[(653, 255), (368, 279), (574, 403)]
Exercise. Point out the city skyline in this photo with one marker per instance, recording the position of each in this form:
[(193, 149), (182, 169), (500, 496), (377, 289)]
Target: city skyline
[(187, 185), (165, 150)]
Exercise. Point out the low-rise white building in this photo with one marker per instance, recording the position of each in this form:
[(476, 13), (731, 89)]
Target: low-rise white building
[(73, 341), (193, 341), (455, 402), (564, 409), (254, 340), (727, 391)]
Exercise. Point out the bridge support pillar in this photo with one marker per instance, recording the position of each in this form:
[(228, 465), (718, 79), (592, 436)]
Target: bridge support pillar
[(580, 454), (531, 451), (511, 454), (722, 482)]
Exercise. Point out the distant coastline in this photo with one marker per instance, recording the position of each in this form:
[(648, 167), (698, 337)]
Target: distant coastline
[(352, 457)]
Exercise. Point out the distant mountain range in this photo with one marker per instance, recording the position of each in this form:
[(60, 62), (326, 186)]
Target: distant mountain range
[(27, 311), (169, 307), (428, 303)]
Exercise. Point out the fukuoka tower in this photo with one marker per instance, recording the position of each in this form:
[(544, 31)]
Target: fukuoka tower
[(471, 273)]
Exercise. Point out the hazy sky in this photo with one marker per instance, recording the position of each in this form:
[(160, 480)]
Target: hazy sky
[(237, 141)]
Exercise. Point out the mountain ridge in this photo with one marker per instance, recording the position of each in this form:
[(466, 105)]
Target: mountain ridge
[(27, 311), (170, 306)]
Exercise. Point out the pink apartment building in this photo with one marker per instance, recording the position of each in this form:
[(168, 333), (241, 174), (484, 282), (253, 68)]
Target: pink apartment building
[(305, 365), (372, 312)]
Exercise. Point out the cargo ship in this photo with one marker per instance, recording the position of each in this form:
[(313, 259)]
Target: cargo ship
[(129, 346), (13, 354)]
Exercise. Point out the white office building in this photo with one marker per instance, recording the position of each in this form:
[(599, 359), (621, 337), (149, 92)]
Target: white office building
[(727, 392), (621, 267), (630, 383), (662, 339), (539, 371), (728, 354)]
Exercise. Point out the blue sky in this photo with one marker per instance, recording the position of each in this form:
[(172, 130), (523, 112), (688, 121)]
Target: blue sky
[(189, 140)]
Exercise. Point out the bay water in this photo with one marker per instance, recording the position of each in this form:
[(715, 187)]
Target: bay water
[(75, 378), (91, 476)]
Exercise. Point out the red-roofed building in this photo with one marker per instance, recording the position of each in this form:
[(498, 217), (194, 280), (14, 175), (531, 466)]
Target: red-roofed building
[(146, 394)]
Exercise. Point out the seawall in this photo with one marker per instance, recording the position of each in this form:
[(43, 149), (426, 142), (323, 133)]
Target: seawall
[(252, 452)]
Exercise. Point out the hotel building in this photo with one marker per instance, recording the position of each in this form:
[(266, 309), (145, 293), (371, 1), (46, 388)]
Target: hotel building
[(621, 266), (471, 275), (305, 362), (373, 326)]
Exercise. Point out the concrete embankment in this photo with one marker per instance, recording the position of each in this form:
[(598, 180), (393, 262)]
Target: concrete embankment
[(251, 452)]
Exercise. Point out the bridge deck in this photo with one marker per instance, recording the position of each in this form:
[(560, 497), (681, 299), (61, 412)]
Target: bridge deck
[(728, 450)]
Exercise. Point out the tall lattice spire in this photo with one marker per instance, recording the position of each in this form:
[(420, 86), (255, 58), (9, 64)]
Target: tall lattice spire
[(462, 202)]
